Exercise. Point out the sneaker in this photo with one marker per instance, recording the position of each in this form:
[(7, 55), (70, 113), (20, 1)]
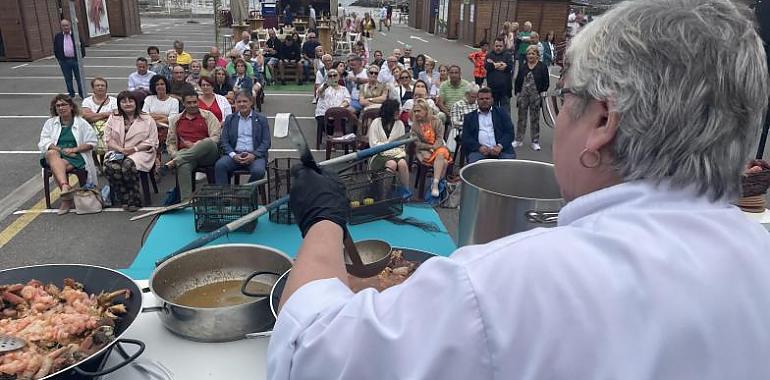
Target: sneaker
[(314, 101), (518, 144), (535, 146), (200, 176)]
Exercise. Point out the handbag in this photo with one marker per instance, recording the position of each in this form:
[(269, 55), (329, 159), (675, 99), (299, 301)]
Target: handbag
[(451, 140), (88, 201)]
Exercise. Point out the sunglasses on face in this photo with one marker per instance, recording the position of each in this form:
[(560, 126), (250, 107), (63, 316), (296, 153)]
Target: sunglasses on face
[(373, 73), (405, 78), (333, 75)]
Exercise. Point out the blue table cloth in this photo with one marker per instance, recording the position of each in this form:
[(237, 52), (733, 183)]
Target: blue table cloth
[(174, 230)]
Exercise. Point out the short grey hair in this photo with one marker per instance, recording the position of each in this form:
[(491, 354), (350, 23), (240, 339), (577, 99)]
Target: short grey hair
[(689, 80), (472, 88)]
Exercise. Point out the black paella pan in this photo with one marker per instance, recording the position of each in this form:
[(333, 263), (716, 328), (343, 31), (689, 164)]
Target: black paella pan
[(95, 280)]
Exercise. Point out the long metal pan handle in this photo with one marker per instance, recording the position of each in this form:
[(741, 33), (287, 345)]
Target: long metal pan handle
[(366, 153), (542, 217), (126, 361), (227, 228)]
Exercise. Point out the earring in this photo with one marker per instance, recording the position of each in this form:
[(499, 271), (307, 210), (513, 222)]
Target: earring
[(597, 158)]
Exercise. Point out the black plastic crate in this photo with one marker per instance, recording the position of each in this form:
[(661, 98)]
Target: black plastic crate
[(279, 184), (379, 188), (215, 206)]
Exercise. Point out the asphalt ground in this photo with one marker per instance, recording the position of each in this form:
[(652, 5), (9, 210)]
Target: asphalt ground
[(30, 235)]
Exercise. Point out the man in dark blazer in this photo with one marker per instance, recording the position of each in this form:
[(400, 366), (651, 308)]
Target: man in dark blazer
[(245, 140), (64, 49), (487, 132)]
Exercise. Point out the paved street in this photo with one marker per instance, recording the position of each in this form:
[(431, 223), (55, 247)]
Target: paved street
[(28, 236)]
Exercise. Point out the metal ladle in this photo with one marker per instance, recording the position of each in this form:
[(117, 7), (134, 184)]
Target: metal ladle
[(378, 253)]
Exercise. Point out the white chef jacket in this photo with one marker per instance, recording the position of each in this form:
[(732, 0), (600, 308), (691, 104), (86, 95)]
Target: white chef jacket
[(636, 282)]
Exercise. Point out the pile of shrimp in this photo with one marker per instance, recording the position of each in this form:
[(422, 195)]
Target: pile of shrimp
[(60, 326)]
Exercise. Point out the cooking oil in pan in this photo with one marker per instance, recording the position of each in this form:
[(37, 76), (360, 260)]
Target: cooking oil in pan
[(220, 294)]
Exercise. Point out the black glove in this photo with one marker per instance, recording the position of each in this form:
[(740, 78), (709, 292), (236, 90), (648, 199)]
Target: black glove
[(317, 196)]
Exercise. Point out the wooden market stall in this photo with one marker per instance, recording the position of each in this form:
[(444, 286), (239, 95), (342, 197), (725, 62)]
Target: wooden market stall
[(483, 19), (27, 28), (124, 19)]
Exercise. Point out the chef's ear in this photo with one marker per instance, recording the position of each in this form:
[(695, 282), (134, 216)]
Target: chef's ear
[(607, 126)]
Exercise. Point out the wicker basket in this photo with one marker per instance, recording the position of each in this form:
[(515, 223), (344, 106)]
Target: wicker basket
[(753, 184), (214, 206)]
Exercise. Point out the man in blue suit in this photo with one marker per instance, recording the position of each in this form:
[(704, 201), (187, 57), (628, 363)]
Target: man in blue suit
[(487, 132), (64, 49), (245, 140)]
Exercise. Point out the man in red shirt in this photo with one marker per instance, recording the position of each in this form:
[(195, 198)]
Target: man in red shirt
[(193, 137)]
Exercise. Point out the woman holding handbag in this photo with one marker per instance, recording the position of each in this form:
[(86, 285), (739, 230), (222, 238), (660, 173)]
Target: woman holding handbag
[(131, 138), (96, 109)]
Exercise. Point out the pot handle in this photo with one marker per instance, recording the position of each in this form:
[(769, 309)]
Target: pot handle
[(127, 359), (150, 309), (541, 217), (249, 278)]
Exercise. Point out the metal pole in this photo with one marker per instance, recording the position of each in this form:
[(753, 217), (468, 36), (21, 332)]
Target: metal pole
[(78, 51), (216, 23)]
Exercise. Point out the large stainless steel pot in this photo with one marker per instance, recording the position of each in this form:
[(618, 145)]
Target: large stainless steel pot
[(207, 265), (503, 197)]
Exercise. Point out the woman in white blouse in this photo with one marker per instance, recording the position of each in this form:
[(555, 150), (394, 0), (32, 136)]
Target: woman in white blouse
[(160, 105), (97, 108), (431, 77), (384, 129), (330, 95)]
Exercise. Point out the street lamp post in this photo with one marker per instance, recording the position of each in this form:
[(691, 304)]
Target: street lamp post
[(78, 47)]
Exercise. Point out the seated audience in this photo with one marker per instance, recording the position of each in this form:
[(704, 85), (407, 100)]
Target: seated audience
[(140, 79), (452, 90), (192, 142), (165, 69), (66, 142), (431, 77), (384, 129), (419, 66), (160, 105), (245, 141), (386, 71), (222, 84), (488, 131), (289, 55), (214, 52), (373, 93), (431, 149), (210, 101), (209, 64), (194, 75), (178, 82), (155, 62), (320, 74), (244, 42), (309, 53), (465, 106), (331, 94), (234, 56), (354, 78), (241, 80), (402, 90), (132, 140), (182, 57), (97, 108)]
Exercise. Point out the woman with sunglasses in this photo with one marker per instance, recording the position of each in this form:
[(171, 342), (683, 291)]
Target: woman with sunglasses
[(65, 143), (431, 149), (330, 95), (372, 93), (402, 89)]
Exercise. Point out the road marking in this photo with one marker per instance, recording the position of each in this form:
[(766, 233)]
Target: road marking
[(90, 66), (18, 196), (401, 43), (418, 38), (53, 211), (23, 221), (384, 34), (469, 46), (555, 76), (18, 66)]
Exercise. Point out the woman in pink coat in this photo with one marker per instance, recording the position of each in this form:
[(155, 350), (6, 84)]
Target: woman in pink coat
[(132, 139)]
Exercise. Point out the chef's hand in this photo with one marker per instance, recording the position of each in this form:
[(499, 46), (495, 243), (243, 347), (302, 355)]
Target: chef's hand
[(317, 196)]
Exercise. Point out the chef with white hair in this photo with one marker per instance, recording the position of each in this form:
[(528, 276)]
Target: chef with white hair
[(651, 273)]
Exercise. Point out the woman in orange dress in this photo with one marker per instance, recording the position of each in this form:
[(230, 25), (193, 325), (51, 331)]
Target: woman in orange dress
[(431, 149)]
